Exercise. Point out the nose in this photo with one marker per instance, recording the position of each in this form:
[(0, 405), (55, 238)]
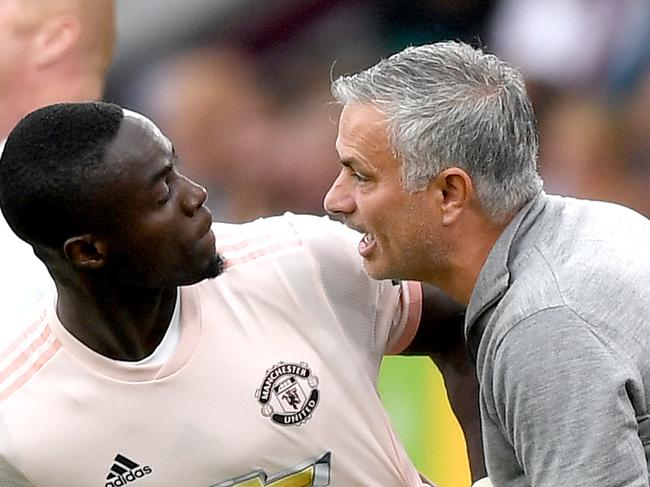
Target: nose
[(195, 196), (338, 199)]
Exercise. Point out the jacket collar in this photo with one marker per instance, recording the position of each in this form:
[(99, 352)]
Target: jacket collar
[(494, 278)]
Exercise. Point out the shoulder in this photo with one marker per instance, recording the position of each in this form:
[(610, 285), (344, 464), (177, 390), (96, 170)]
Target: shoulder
[(29, 350), (264, 236), (596, 250), (311, 227), (574, 249), (567, 218), (285, 225)]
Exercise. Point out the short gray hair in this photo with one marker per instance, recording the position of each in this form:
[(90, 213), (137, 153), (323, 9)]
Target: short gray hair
[(450, 105)]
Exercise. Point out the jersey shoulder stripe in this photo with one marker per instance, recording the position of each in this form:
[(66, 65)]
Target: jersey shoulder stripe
[(28, 354), (248, 242)]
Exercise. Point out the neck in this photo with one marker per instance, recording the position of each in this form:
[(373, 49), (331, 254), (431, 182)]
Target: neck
[(123, 324), (469, 250)]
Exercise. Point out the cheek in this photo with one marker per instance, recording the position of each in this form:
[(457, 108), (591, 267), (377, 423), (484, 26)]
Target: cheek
[(380, 210), (404, 236), (154, 250), (160, 231), (169, 247), (410, 228)]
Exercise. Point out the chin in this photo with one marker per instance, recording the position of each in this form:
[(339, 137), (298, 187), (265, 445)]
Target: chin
[(215, 266), (384, 272), (375, 272)]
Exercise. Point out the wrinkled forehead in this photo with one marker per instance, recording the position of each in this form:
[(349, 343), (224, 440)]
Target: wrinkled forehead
[(362, 126)]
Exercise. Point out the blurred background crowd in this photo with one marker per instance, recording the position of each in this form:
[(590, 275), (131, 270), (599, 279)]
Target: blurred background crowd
[(242, 88)]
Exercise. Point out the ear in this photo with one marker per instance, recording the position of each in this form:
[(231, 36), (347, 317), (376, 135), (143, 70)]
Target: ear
[(455, 190), (85, 251), (55, 37)]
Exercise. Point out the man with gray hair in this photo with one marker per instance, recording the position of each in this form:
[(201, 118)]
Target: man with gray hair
[(438, 146)]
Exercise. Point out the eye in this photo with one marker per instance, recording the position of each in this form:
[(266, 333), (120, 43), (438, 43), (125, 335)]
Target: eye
[(358, 176), (167, 194), (352, 170), (167, 190)]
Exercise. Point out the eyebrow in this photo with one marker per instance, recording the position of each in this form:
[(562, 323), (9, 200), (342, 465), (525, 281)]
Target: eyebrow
[(354, 164), (160, 174), (349, 162)]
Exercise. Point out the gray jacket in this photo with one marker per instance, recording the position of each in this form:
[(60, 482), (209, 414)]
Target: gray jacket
[(559, 323)]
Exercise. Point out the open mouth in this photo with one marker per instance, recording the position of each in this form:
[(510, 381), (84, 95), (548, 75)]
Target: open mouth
[(367, 244)]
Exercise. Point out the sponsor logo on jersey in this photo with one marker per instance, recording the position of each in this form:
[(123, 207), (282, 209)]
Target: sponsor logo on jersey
[(124, 471), (311, 473), (288, 394)]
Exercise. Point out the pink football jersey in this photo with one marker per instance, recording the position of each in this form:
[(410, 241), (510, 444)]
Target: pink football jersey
[(272, 382)]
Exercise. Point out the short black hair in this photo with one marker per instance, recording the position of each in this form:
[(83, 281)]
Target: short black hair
[(51, 168)]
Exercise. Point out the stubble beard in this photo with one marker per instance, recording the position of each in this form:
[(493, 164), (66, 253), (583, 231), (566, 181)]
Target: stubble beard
[(420, 263), (215, 267)]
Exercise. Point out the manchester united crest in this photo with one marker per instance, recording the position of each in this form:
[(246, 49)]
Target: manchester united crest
[(289, 394)]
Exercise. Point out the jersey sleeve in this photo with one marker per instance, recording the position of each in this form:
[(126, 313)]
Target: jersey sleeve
[(406, 321), (378, 317)]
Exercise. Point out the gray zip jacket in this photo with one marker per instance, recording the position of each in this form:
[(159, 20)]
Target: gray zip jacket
[(559, 325)]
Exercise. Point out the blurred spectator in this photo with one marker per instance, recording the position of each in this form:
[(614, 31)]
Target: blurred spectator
[(52, 50), (584, 62), (572, 43), (211, 104), (636, 112), (308, 161), (405, 22), (582, 152)]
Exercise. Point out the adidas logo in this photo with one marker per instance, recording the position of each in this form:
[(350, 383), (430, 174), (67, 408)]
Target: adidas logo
[(124, 471)]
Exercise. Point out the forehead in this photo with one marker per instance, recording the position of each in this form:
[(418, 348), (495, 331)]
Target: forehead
[(138, 140), (134, 119), (362, 127)]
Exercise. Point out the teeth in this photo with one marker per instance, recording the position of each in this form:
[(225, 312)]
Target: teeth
[(368, 238)]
